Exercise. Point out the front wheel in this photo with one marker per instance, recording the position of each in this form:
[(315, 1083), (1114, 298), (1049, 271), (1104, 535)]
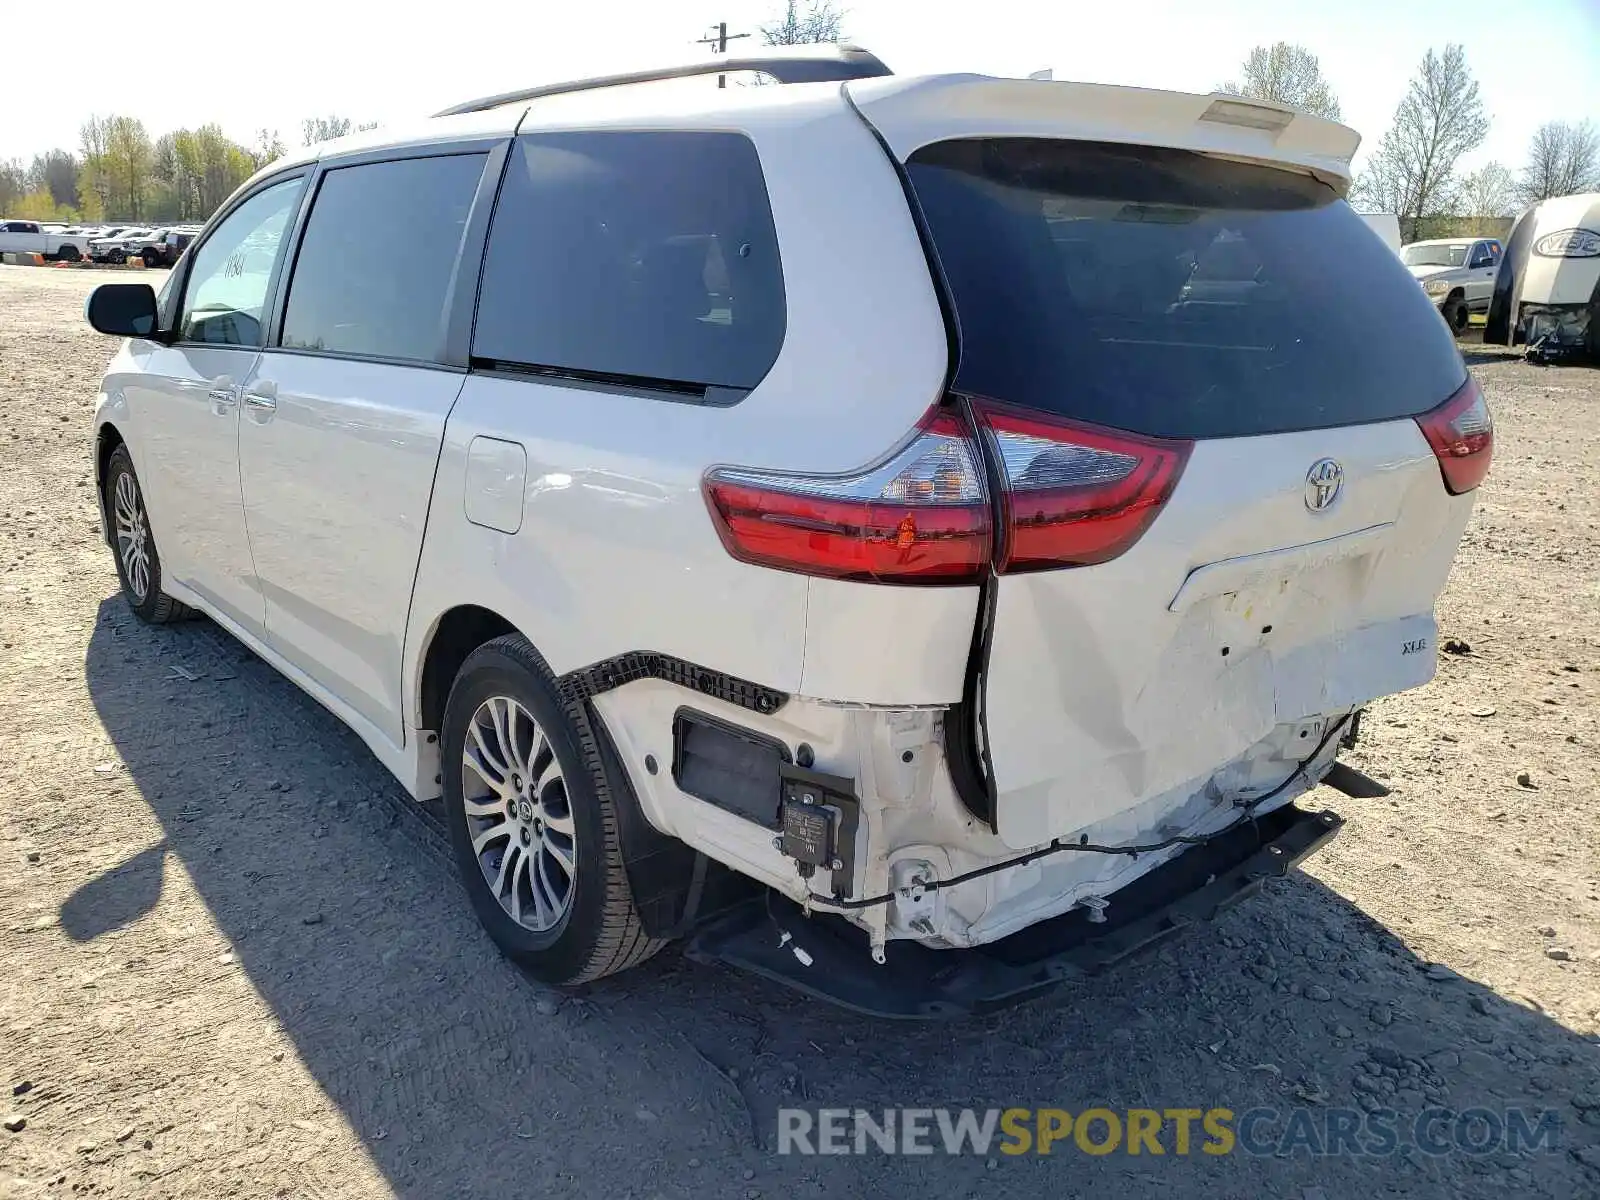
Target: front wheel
[(1455, 315), (152, 258), (138, 564), (533, 821)]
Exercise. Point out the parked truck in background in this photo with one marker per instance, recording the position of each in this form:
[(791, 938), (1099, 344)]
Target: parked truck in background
[(33, 237)]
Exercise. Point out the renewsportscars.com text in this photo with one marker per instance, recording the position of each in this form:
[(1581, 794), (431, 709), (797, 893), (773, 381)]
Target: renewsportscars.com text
[(1316, 1132)]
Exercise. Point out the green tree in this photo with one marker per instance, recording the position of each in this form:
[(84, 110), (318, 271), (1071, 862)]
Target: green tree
[(94, 180), (129, 156), (39, 205), (223, 166), (56, 171), (13, 186)]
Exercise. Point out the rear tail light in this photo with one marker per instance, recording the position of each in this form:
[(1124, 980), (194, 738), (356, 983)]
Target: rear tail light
[(1072, 495), (1461, 432), (1075, 494), (922, 515)]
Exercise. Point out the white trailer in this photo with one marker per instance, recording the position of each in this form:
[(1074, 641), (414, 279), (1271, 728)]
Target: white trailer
[(1547, 291)]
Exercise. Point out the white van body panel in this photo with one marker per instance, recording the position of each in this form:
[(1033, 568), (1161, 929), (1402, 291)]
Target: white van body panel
[(616, 551)]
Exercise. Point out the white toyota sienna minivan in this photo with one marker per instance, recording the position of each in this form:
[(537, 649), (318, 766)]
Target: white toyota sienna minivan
[(914, 537)]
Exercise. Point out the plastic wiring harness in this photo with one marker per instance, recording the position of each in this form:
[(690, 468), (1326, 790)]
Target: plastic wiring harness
[(1084, 846)]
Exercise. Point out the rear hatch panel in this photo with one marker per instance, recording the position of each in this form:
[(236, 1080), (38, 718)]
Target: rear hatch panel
[(1239, 611), (1182, 291)]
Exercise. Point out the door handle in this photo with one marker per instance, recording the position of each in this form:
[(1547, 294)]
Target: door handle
[(223, 399), (261, 402)]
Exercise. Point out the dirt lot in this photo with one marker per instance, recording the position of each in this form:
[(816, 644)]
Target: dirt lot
[(234, 960)]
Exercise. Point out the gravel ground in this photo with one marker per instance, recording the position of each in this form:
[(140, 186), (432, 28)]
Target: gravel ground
[(234, 960)]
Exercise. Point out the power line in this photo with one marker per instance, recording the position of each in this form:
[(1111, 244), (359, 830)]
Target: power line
[(718, 41)]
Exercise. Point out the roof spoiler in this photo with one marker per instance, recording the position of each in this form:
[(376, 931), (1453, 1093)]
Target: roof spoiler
[(790, 64)]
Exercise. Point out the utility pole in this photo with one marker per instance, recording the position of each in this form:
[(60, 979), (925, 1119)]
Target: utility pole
[(718, 41)]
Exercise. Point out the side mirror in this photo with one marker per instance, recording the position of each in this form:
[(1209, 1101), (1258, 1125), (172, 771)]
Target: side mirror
[(122, 310)]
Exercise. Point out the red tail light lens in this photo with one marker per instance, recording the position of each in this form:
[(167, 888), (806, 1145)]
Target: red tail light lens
[(1075, 494), (919, 516), (1461, 432)]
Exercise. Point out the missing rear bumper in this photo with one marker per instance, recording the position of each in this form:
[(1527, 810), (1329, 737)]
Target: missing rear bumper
[(827, 958)]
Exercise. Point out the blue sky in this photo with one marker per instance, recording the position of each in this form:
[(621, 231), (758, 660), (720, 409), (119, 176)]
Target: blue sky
[(252, 66)]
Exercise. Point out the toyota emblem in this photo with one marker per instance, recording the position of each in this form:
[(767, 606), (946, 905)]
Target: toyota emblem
[(1323, 482)]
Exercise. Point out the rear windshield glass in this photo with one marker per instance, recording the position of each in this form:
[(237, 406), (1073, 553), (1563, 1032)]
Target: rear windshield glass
[(1165, 292)]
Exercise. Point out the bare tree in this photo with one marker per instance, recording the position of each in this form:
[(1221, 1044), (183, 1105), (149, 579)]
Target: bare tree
[(1287, 74), (1487, 192), (1412, 173), (323, 129), (1563, 158), (269, 147), (820, 22)]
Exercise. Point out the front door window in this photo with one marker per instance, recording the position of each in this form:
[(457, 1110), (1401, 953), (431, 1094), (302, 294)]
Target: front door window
[(225, 299)]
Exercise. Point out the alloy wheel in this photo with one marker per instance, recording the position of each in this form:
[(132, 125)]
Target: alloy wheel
[(519, 817), (133, 535)]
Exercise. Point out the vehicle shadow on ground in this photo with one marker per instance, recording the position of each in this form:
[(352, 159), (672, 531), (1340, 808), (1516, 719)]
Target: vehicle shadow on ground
[(464, 1078)]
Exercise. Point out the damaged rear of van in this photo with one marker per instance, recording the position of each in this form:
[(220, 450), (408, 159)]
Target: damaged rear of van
[(1217, 452)]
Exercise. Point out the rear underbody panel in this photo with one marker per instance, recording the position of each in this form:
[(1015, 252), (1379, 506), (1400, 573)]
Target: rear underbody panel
[(713, 776), (824, 957)]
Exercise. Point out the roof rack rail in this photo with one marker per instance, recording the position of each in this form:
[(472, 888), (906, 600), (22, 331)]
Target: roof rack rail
[(791, 64)]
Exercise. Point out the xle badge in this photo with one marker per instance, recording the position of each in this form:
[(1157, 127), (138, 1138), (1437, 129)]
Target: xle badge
[(1416, 647)]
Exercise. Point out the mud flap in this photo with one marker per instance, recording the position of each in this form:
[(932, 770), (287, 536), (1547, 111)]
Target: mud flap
[(672, 886), (917, 983)]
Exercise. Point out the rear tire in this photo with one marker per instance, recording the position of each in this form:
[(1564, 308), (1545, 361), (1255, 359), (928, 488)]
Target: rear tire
[(68, 253), (533, 821), (134, 546), (1455, 315)]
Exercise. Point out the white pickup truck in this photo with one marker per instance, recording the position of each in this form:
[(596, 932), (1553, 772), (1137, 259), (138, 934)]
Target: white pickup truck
[(35, 237)]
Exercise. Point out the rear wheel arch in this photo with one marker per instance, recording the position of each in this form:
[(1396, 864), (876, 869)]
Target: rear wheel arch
[(658, 865), (456, 634), (601, 930), (106, 441)]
